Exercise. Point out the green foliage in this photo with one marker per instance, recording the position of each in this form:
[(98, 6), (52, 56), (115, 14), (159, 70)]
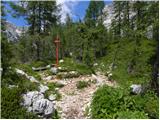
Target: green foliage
[(131, 115), (152, 105), (118, 103), (28, 69), (39, 64), (52, 90), (70, 65), (10, 105), (55, 115), (142, 68), (82, 84)]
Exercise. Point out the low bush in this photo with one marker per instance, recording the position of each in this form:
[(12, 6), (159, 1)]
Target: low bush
[(82, 84), (38, 64), (10, 105), (71, 65), (118, 103), (52, 90)]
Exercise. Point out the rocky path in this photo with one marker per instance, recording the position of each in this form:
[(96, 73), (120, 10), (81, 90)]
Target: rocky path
[(74, 102)]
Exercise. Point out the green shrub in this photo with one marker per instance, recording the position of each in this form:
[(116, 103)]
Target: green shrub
[(131, 115), (118, 103), (38, 64), (10, 78), (10, 105), (71, 65), (52, 90), (55, 115), (151, 105), (82, 84)]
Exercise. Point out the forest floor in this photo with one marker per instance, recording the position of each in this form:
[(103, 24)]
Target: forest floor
[(75, 102)]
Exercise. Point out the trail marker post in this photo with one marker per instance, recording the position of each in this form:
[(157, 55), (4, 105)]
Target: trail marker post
[(57, 43)]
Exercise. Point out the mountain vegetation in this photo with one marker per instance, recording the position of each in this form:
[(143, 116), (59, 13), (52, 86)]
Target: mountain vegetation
[(129, 49)]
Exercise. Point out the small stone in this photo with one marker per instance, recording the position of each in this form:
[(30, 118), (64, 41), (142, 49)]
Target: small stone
[(43, 88), (95, 64), (13, 86), (54, 70), (56, 89), (61, 61), (48, 78), (48, 66), (136, 89), (52, 97), (59, 68)]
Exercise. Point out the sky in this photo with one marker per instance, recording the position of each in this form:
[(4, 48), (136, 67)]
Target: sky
[(75, 8)]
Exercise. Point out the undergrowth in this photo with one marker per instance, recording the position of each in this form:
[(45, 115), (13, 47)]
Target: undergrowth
[(113, 103), (71, 65)]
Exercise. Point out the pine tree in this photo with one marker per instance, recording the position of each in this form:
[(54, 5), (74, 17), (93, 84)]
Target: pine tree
[(93, 12)]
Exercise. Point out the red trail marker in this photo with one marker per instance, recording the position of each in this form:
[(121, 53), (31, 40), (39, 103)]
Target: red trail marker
[(57, 43)]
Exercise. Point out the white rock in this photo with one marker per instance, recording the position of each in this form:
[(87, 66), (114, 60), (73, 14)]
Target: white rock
[(95, 64), (136, 89), (43, 88), (94, 77), (54, 70), (56, 89), (30, 97), (61, 82), (61, 61), (59, 68), (13, 86), (33, 68), (32, 79), (21, 72), (43, 106), (70, 54), (48, 66), (48, 78), (29, 109), (73, 72), (52, 97), (1, 69), (110, 74)]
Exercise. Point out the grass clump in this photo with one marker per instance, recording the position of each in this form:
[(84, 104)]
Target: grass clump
[(71, 65), (82, 84), (52, 90), (113, 103)]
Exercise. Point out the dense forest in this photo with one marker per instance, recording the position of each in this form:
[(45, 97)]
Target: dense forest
[(123, 55)]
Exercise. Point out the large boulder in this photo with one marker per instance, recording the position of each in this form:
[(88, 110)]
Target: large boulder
[(136, 89), (43, 88), (31, 97), (54, 70), (34, 102), (43, 106)]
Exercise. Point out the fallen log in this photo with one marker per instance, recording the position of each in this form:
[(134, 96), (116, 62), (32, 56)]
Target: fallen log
[(43, 68)]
